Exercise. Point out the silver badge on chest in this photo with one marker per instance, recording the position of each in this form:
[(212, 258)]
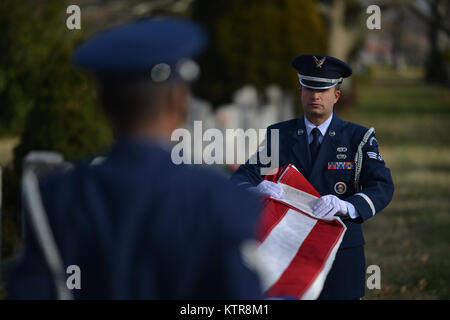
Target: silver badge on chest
[(340, 187)]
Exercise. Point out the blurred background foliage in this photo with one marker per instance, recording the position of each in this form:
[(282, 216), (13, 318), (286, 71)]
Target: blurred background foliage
[(44, 100), (35, 73), (400, 86), (252, 41)]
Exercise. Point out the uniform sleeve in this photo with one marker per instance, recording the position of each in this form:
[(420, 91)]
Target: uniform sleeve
[(375, 182), (30, 279), (238, 226)]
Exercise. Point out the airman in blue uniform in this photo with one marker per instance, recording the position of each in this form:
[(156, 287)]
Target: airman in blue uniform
[(341, 160), (136, 225)]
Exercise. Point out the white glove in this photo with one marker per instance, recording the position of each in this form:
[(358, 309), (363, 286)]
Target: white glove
[(270, 188), (328, 206)]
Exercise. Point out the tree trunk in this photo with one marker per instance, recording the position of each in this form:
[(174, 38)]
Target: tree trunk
[(341, 39), (435, 66)]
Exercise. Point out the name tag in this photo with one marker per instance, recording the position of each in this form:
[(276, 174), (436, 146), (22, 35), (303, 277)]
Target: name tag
[(341, 165)]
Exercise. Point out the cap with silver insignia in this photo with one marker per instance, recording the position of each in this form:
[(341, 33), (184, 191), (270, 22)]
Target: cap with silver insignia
[(318, 71), (159, 49)]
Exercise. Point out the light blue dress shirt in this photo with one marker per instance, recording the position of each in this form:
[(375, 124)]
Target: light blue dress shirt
[(323, 127)]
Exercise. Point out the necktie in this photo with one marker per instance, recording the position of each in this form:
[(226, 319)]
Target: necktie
[(315, 144)]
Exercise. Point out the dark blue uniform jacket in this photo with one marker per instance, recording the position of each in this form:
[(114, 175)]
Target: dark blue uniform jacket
[(334, 173), (140, 227)]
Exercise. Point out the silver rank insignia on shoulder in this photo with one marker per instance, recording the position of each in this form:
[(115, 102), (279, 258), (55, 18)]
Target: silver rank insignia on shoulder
[(341, 149), (332, 133), (373, 141), (374, 155), (341, 156), (300, 132)]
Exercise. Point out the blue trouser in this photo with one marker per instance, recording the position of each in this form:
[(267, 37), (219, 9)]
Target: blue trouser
[(347, 277)]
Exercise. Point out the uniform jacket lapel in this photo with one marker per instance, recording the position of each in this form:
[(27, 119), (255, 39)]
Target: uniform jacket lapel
[(301, 146)]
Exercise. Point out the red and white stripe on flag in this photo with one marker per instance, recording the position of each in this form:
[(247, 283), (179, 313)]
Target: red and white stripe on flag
[(297, 249)]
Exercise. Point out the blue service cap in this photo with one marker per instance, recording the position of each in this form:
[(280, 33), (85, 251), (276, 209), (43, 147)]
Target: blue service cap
[(318, 71), (158, 49)]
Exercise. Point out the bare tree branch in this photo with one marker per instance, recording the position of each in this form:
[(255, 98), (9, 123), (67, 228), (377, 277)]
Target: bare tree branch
[(427, 19)]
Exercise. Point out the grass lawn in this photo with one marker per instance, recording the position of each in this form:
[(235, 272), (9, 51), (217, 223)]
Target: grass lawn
[(410, 239)]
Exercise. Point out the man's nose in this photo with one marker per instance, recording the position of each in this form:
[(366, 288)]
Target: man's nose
[(316, 94)]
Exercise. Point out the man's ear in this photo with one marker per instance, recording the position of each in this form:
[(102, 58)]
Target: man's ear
[(337, 94)]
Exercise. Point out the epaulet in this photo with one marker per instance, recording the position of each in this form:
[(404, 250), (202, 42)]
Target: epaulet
[(358, 131), (284, 124)]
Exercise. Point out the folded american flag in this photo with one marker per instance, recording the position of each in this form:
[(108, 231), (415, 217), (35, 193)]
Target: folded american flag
[(296, 249)]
